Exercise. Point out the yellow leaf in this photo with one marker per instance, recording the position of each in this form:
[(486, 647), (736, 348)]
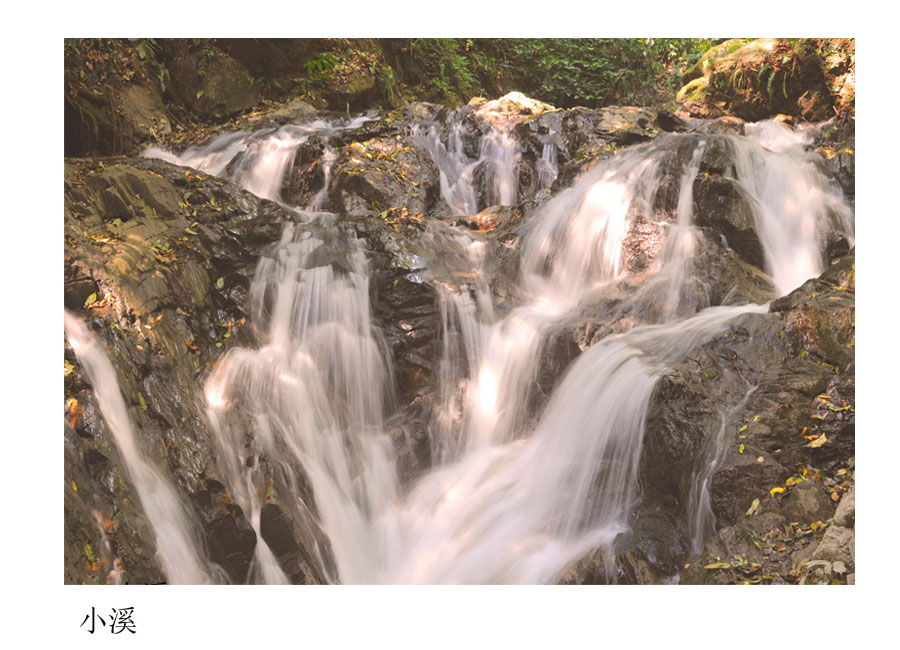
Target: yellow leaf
[(818, 442), (717, 565), (753, 507), (776, 490), (91, 299), (74, 487)]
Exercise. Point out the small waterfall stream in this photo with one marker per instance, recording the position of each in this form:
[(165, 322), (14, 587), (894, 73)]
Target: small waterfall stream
[(512, 497), (177, 540), (498, 158)]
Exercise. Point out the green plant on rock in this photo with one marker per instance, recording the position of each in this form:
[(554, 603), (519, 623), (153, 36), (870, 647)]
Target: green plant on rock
[(447, 67), (321, 65)]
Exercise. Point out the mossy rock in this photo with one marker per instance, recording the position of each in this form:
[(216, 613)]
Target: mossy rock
[(696, 91), (761, 78)]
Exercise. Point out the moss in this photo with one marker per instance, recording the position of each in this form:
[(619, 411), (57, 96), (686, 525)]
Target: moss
[(696, 91)]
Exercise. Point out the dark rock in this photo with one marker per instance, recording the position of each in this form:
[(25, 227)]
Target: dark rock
[(807, 502), (206, 80), (231, 543)]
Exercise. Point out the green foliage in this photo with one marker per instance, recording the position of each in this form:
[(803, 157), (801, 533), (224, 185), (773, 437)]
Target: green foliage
[(595, 72), (321, 65), (450, 67)]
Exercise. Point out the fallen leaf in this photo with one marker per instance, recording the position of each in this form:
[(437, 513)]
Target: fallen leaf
[(818, 442), (718, 565), (91, 299), (753, 507), (776, 490)]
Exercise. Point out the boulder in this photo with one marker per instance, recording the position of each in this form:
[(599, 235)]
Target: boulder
[(206, 80), (757, 79), (845, 515)]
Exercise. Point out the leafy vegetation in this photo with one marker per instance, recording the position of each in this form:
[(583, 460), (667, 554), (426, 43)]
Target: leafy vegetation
[(597, 72), (563, 71)]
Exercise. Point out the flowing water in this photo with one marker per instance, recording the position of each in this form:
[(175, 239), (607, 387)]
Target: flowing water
[(498, 160), (514, 495), (175, 535)]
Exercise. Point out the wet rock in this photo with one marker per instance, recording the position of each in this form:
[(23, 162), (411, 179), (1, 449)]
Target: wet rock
[(127, 192), (782, 415), (295, 559), (591, 136), (836, 141), (385, 174), (231, 543), (750, 393), (510, 109), (168, 303)]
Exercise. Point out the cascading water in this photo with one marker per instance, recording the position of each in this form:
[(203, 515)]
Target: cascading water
[(498, 155), (259, 161), (514, 495), (173, 530), (793, 202), (314, 394), (329, 155), (547, 166)]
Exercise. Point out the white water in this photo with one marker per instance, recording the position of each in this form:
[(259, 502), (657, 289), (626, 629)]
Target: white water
[(793, 202), (499, 156), (176, 539), (547, 166), (329, 155), (513, 497), (261, 160), (315, 394)]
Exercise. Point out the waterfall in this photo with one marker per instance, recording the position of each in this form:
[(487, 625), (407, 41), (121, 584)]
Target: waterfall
[(500, 152), (315, 394), (516, 494), (177, 541), (547, 167), (793, 202), (261, 160), (498, 157), (701, 520), (329, 155)]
